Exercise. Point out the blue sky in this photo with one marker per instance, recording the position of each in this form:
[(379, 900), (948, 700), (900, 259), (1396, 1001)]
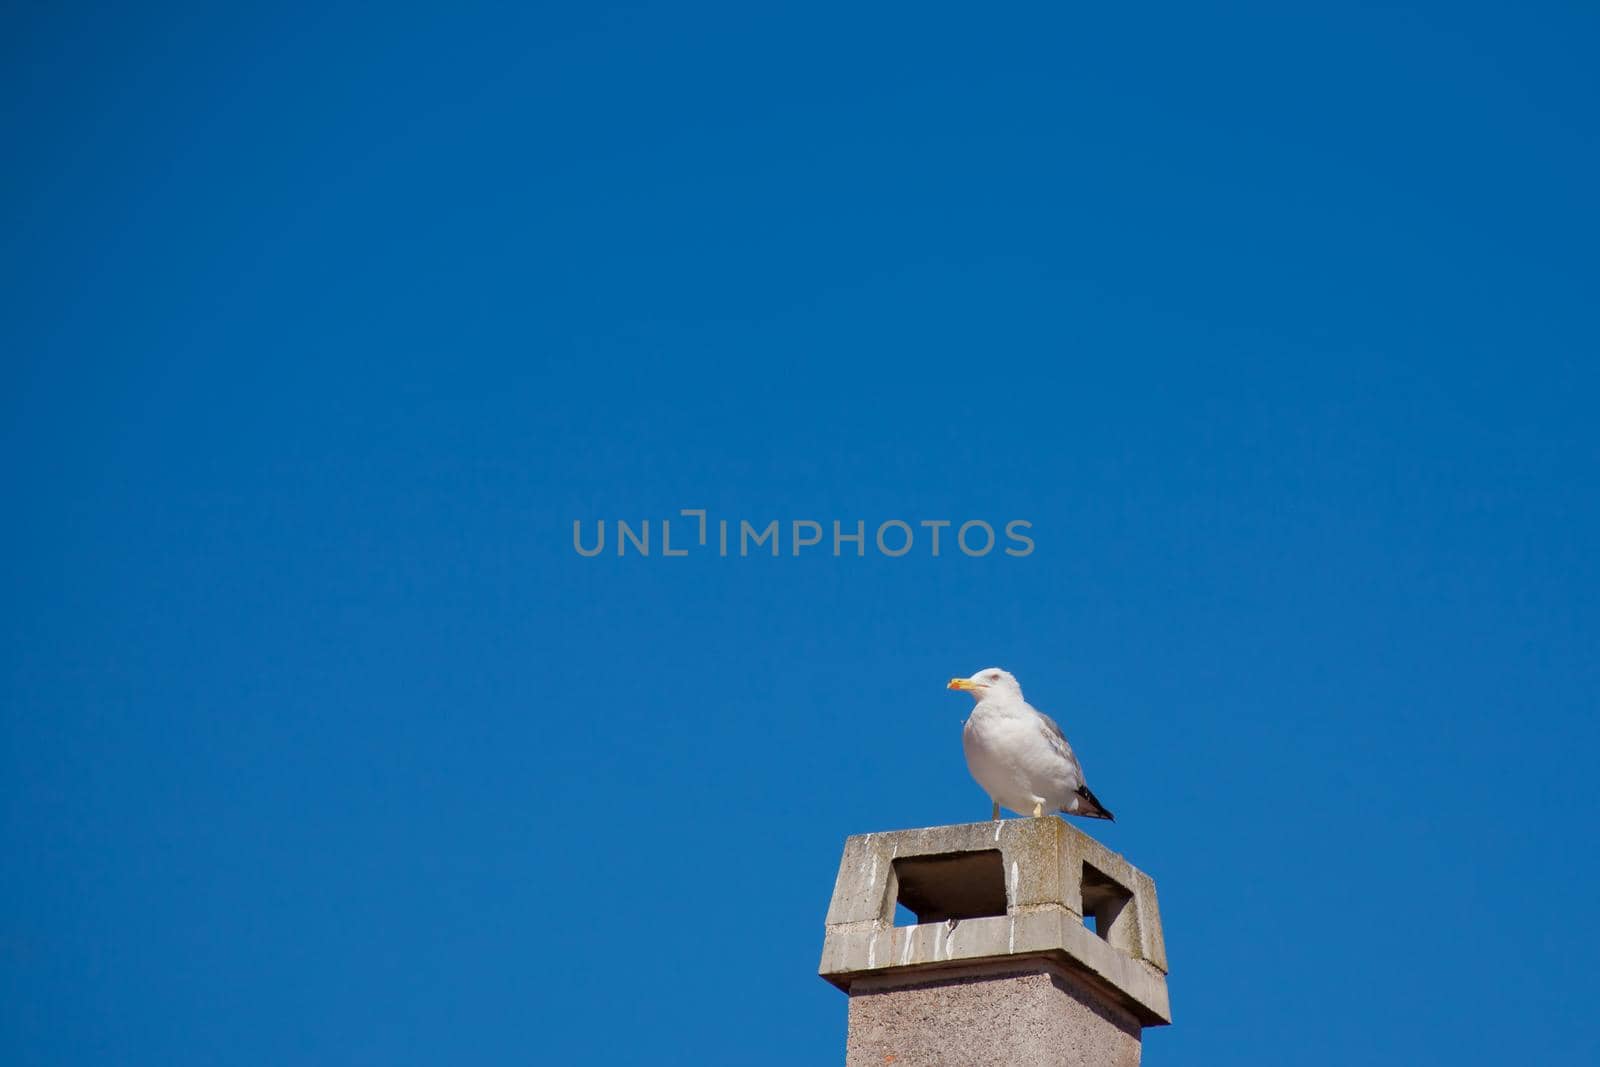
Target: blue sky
[(320, 744)]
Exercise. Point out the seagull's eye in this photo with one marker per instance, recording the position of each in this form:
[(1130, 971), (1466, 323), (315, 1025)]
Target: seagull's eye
[(994, 677)]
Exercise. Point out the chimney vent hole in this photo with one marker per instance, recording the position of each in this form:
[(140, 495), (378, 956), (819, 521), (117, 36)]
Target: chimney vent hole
[(956, 885)]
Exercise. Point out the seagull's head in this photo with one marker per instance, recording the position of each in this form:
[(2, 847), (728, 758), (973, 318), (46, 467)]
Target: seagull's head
[(989, 682)]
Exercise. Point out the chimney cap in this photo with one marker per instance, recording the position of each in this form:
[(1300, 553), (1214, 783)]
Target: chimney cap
[(1022, 889)]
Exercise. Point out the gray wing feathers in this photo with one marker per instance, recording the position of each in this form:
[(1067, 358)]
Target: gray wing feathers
[(1058, 743), (1084, 802)]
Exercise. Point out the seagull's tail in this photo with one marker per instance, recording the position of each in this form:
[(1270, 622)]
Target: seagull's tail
[(1089, 806)]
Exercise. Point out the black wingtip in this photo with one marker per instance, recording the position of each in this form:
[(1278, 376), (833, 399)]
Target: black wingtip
[(1092, 808)]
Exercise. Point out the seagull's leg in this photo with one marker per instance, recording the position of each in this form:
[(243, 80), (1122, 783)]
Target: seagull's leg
[(996, 813), (1038, 809)]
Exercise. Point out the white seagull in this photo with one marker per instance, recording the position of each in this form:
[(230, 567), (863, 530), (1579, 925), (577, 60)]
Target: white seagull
[(1018, 754)]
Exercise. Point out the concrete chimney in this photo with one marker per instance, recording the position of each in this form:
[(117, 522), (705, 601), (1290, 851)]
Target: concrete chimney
[(1034, 944)]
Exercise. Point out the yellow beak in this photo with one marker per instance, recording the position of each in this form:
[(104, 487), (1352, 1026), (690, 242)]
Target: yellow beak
[(960, 683)]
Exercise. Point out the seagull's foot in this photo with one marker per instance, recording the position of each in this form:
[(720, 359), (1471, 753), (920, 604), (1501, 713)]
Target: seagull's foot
[(995, 814), (1038, 810)]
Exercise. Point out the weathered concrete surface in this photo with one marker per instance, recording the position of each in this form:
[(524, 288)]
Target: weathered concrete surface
[(1053, 875), (987, 1015)]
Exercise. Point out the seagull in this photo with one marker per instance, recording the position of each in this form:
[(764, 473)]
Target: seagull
[(1018, 754)]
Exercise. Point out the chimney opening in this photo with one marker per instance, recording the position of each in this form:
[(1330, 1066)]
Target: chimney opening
[(956, 885), (1107, 908)]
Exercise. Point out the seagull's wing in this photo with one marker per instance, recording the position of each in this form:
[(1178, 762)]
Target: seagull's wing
[(1058, 743), (1086, 803)]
